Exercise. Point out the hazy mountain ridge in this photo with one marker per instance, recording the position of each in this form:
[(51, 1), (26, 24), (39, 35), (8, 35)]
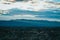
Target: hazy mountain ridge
[(29, 23)]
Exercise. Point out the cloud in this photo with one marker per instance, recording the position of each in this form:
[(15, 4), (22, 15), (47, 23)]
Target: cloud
[(40, 5), (27, 17), (17, 17)]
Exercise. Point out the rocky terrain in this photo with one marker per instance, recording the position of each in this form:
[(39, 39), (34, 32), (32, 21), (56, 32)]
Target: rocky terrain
[(29, 33)]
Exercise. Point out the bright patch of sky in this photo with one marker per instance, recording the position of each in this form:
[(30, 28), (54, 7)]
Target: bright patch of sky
[(55, 0), (52, 0)]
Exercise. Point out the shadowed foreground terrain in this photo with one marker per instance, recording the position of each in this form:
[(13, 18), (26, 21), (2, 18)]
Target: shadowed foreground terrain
[(29, 33)]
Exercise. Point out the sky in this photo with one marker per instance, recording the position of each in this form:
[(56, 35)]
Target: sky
[(27, 6), (56, 0), (53, 0)]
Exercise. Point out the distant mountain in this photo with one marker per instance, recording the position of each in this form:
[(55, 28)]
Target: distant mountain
[(29, 23)]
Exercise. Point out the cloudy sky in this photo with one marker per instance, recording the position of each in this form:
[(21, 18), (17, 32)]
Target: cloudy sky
[(56, 0), (26, 6)]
